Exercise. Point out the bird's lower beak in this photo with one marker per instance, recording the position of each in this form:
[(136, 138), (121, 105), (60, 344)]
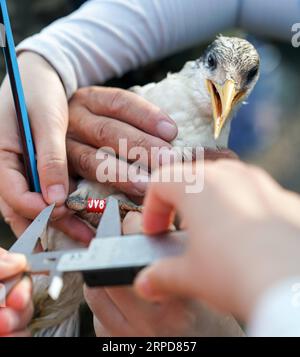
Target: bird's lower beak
[(223, 98)]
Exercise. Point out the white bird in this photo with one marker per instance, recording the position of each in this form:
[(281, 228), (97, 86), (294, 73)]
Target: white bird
[(201, 99)]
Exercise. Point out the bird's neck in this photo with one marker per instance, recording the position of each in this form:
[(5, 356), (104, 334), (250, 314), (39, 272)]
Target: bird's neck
[(193, 112), (185, 98)]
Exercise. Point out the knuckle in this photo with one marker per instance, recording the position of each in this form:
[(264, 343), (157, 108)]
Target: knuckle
[(51, 162), (10, 217), (102, 131), (258, 174), (84, 161), (141, 141), (119, 101), (80, 95), (5, 157)]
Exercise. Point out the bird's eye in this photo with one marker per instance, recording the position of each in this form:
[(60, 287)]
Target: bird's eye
[(211, 61), (252, 74)]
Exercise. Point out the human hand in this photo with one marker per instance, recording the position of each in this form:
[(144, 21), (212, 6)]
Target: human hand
[(17, 314), (244, 237), (120, 312), (213, 155), (48, 111), (100, 117)]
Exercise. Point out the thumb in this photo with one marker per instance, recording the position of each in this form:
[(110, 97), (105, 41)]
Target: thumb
[(52, 163), (11, 264), (48, 112), (162, 279)]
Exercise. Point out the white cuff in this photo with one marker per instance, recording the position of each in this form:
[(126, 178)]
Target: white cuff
[(277, 314)]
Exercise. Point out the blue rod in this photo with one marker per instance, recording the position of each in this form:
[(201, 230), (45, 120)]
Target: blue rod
[(19, 100)]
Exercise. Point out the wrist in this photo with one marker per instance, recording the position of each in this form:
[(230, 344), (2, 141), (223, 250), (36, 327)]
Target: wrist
[(30, 58), (33, 62)]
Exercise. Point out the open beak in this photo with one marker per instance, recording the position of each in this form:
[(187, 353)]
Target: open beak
[(223, 98)]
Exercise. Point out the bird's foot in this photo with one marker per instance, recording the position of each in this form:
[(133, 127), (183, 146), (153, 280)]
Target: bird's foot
[(78, 202)]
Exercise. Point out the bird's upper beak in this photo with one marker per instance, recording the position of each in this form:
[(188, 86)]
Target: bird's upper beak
[(224, 98)]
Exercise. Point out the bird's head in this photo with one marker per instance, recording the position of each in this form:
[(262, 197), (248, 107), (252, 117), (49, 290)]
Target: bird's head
[(230, 68)]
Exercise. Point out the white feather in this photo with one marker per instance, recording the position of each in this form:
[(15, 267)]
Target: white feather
[(185, 98)]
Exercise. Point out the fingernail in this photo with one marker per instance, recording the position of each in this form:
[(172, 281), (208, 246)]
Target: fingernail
[(56, 194), (166, 130)]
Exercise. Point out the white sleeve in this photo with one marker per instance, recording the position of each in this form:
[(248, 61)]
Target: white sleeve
[(277, 314), (106, 38)]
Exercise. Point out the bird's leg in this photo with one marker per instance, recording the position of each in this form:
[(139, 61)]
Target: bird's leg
[(78, 201)]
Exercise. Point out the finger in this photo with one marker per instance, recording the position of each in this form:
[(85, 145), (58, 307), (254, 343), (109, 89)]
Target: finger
[(17, 223), (213, 155), (24, 333), (164, 198), (19, 310), (49, 124), (105, 310), (73, 185), (128, 107), (52, 159), (100, 330), (83, 159), (11, 320), (132, 223), (24, 203), (20, 297), (131, 305), (11, 264), (20, 199), (12, 175), (127, 141), (162, 280), (75, 228)]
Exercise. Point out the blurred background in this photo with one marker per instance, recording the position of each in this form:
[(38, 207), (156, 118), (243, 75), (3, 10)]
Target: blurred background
[(266, 131)]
